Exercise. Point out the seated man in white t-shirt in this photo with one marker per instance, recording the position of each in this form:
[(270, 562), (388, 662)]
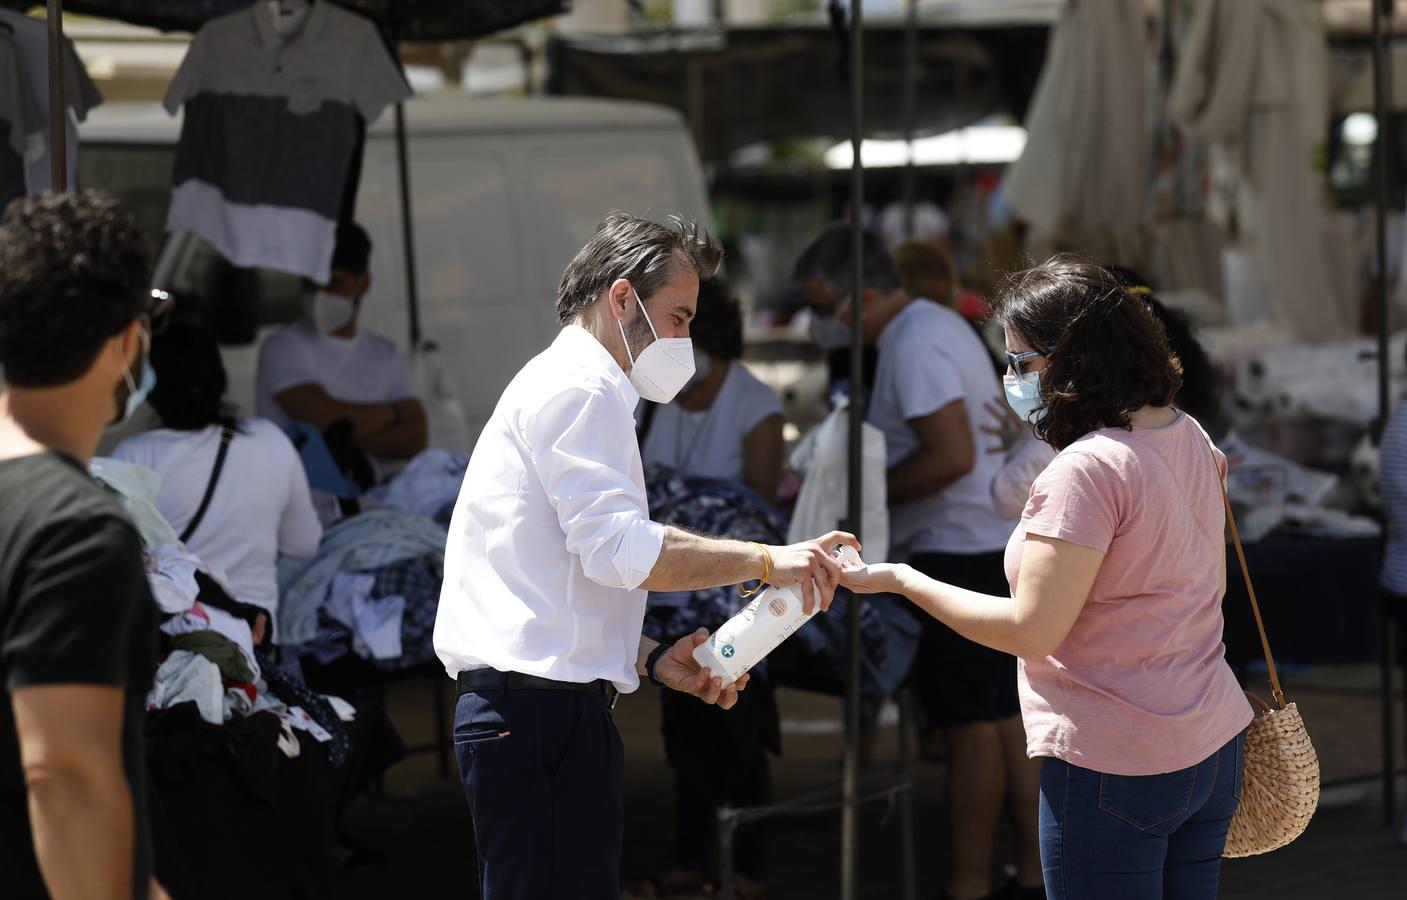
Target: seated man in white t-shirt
[(325, 368), (933, 389)]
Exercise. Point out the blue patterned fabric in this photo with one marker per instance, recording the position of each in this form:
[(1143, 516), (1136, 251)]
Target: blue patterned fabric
[(367, 542), (418, 581), (293, 693), (888, 634)]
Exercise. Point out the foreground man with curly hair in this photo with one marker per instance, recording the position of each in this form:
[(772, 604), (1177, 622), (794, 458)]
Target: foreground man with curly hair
[(77, 621)]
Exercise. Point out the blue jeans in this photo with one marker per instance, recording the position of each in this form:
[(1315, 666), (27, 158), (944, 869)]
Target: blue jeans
[(1152, 837)]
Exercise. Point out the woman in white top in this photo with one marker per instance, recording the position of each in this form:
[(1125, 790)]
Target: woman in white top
[(260, 507), (725, 424)]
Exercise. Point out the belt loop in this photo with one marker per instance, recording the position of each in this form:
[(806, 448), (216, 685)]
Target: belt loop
[(502, 682)]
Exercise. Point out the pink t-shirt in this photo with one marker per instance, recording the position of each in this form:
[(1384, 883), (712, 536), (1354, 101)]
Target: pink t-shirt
[(1140, 686)]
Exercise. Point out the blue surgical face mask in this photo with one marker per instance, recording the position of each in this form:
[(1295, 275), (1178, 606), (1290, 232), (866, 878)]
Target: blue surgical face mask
[(137, 389), (1023, 395), (828, 332)]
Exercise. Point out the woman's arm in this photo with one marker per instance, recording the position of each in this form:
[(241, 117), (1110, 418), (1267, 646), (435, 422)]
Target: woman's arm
[(762, 457), (1056, 577)]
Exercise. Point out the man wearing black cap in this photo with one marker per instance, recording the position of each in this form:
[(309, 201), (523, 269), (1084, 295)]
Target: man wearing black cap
[(325, 368)]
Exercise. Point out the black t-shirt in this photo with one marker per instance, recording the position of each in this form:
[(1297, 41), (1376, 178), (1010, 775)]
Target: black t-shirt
[(75, 608)]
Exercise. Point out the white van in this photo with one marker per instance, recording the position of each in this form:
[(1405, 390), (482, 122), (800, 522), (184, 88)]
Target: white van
[(504, 193)]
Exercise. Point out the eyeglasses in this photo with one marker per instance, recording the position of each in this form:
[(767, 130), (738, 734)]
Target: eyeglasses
[(159, 310), (1016, 360)]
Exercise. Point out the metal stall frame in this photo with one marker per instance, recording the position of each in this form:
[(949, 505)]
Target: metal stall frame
[(892, 783)]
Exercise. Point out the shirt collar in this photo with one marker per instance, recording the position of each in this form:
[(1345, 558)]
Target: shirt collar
[(582, 347), (267, 28)]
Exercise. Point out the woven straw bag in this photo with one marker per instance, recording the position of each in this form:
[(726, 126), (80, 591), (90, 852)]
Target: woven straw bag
[(1280, 774)]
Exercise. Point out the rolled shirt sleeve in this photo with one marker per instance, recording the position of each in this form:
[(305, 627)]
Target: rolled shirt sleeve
[(584, 452)]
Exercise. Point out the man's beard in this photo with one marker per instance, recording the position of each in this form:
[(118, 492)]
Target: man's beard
[(637, 337)]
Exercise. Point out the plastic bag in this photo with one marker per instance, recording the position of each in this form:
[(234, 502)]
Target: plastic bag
[(823, 503)]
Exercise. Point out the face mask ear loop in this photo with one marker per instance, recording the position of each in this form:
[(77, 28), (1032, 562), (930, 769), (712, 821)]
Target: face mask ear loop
[(643, 312), (126, 369)]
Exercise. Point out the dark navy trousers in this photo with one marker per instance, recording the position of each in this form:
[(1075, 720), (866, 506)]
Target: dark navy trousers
[(544, 775)]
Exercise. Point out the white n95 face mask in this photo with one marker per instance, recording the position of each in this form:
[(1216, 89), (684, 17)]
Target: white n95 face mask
[(329, 312), (664, 367)]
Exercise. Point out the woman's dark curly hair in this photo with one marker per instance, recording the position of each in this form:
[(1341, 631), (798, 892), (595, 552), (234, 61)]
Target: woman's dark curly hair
[(1107, 355)]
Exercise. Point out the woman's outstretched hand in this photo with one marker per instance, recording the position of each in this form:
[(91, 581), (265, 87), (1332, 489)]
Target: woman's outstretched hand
[(875, 578)]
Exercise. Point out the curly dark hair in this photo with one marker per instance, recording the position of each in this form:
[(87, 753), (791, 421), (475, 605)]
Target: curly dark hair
[(717, 328), (627, 246), (1107, 355), (1200, 394), (73, 273)]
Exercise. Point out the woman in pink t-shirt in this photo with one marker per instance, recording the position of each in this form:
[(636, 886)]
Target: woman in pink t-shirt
[(1117, 573)]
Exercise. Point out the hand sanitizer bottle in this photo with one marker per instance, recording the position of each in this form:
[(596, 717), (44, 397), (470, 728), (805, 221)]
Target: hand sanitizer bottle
[(772, 617)]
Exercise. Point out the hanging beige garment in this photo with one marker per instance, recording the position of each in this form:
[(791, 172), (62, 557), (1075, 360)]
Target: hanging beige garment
[(1086, 162), (1252, 78)]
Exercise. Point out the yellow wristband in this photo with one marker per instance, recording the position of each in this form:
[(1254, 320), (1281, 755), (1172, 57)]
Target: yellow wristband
[(766, 578)]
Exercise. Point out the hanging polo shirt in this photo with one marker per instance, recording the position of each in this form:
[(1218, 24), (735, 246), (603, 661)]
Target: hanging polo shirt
[(272, 122), (31, 39), (21, 125)]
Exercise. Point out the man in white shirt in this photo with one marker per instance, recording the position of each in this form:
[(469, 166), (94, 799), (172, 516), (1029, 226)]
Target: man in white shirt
[(325, 368), (551, 552), (933, 383)]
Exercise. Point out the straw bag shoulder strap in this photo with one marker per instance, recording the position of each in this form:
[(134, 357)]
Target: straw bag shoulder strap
[(1250, 588)]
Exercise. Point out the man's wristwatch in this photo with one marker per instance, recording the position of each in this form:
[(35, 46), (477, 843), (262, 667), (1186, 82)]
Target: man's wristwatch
[(396, 416), (652, 661)]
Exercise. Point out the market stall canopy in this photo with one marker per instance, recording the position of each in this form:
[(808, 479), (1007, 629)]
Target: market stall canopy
[(752, 85), (411, 20)]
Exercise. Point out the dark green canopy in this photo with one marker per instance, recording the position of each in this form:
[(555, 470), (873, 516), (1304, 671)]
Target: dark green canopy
[(412, 20)]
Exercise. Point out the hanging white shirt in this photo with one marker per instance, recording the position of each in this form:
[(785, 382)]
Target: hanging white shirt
[(551, 538)]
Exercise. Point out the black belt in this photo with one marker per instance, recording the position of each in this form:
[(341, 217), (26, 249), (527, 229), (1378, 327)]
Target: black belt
[(494, 680)]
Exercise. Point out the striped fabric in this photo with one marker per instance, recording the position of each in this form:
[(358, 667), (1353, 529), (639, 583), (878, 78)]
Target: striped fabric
[(1393, 485), (271, 132)]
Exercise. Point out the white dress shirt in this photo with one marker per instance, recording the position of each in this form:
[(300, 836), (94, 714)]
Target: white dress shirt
[(551, 537)]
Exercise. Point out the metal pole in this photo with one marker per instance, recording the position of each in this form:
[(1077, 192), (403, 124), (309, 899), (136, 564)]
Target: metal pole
[(910, 101), (850, 846), (407, 229), (58, 106), (908, 856), (727, 831), (1380, 148), (1389, 731)]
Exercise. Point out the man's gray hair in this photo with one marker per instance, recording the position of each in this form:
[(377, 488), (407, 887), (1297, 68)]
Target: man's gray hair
[(829, 261), (644, 252)]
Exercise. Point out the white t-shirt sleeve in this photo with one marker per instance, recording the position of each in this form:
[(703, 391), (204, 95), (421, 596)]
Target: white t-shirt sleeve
[(377, 80), (284, 363), (399, 385), (299, 530), (134, 450), (577, 440), (186, 83), (930, 384), (756, 402)]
